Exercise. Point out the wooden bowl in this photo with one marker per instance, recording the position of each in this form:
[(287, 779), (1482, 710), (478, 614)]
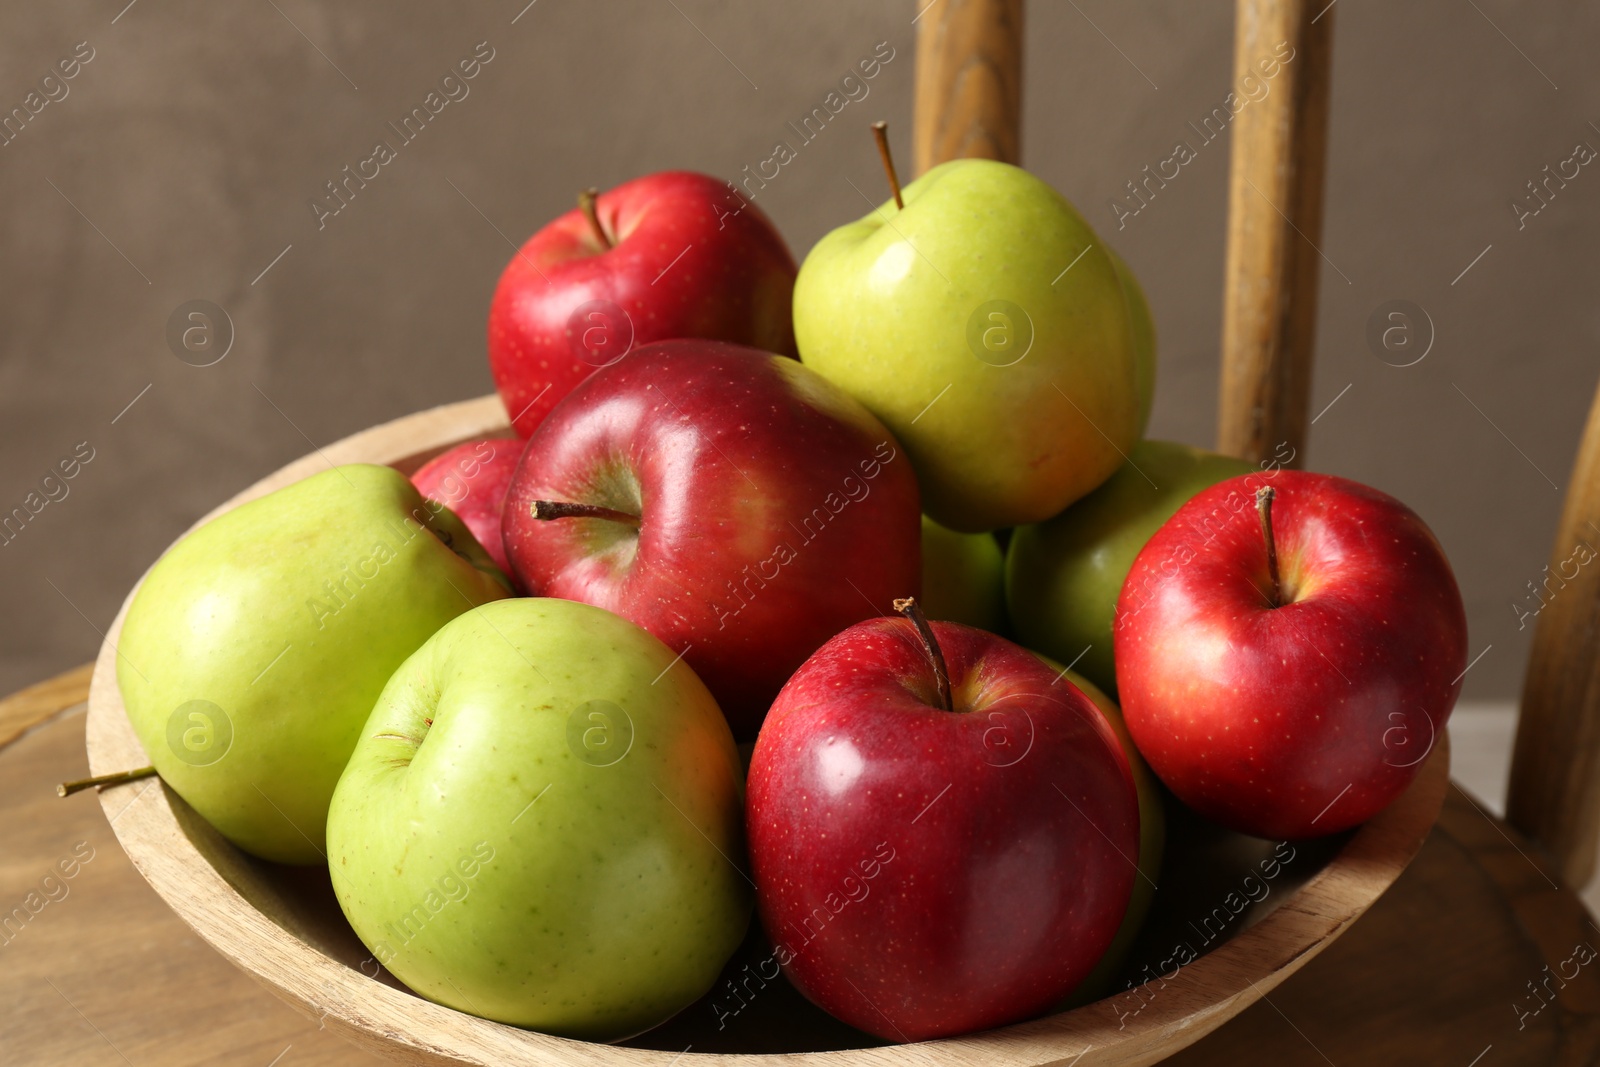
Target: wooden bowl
[(1249, 930)]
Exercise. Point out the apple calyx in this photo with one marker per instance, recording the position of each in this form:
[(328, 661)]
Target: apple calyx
[(880, 131), (566, 509), (1264, 497), (909, 607), (66, 789), (586, 203)]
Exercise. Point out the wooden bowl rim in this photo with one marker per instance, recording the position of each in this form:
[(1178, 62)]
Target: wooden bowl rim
[(1187, 1005)]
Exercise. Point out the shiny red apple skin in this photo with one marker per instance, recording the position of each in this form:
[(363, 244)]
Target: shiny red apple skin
[(1008, 825), (471, 480), (1301, 720), (775, 511), (692, 258)]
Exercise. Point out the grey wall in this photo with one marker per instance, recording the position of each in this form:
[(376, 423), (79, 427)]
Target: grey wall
[(193, 139)]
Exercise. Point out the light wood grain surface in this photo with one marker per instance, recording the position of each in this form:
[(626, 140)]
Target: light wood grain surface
[(25, 708), (1274, 226), (969, 81), (105, 973)]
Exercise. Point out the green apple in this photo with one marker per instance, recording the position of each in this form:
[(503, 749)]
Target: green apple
[(1152, 844), (1063, 576), (963, 577), (254, 649), (985, 325), (541, 821), (1144, 337)]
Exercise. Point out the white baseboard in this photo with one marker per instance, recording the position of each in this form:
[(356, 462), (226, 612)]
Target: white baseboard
[(1480, 749)]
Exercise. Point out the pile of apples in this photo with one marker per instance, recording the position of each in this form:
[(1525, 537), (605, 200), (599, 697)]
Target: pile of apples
[(771, 604)]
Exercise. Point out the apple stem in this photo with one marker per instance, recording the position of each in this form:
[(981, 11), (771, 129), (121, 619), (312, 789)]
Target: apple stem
[(1264, 497), (66, 789), (880, 130), (586, 203), (909, 607), (565, 509)]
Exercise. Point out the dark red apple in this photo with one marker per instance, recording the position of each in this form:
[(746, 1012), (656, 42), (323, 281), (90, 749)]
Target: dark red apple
[(674, 254), (1288, 647), (471, 480), (933, 859), (734, 503)]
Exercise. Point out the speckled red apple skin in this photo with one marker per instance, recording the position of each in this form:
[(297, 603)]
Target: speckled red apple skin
[(471, 479), (971, 865), (1298, 720), (731, 453), (692, 258)]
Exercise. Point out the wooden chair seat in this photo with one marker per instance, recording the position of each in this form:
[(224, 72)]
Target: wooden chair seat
[(1440, 970)]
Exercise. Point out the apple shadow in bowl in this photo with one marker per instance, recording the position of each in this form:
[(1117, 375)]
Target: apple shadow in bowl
[(1214, 884), (299, 900)]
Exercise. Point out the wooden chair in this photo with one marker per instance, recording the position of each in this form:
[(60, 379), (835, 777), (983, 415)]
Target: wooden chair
[(1474, 952), (1481, 955)]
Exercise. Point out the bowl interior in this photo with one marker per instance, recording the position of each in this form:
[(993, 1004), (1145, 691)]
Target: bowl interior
[(1213, 886)]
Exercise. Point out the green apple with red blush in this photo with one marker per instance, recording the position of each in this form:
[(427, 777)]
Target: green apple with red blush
[(981, 318), (254, 649), (1144, 336), (540, 823)]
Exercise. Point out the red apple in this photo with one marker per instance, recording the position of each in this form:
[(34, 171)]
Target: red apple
[(668, 255), (734, 503), (1288, 647), (471, 480), (932, 859)]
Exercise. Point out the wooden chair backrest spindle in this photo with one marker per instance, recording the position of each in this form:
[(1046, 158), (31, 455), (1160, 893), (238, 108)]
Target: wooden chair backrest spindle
[(969, 82), (1554, 795), (1269, 303)]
